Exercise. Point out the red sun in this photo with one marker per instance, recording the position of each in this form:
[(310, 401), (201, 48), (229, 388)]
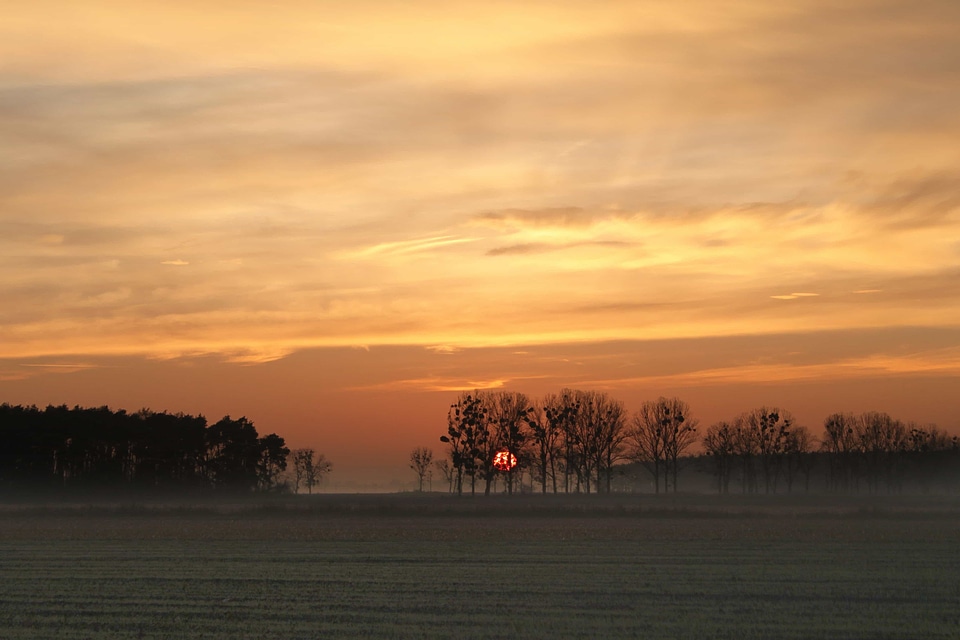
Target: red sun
[(504, 460)]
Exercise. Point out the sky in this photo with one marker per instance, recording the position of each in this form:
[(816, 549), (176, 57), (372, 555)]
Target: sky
[(333, 217)]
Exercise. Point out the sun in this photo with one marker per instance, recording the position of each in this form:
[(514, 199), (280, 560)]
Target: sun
[(503, 460)]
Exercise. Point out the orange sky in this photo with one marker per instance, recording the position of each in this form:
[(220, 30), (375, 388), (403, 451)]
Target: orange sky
[(330, 216)]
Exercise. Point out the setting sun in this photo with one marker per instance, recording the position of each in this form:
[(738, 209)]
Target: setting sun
[(504, 461)]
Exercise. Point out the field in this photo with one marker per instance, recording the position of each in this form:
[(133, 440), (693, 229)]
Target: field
[(434, 566)]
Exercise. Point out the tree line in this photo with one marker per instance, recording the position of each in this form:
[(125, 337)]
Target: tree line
[(571, 441), (93, 448)]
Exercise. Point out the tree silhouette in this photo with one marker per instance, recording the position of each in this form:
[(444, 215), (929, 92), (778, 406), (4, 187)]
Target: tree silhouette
[(420, 460), (839, 443), (447, 471), (761, 439), (233, 454), (309, 468), (545, 422), (719, 443), (882, 441), (509, 414), (603, 421), (61, 448), (799, 458), (563, 411), (273, 461), (662, 431), (468, 435)]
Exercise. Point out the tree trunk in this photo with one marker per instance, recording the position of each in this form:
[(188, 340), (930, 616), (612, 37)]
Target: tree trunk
[(675, 471)]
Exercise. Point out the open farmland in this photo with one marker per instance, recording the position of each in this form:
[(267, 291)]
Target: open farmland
[(402, 566)]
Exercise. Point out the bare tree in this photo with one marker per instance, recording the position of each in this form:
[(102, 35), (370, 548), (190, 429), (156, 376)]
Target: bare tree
[(510, 415), (662, 431), (546, 429), (302, 465), (720, 445), (646, 439), (799, 457), (309, 467), (420, 460), (839, 442), (321, 469), (609, 422), (562, 411), (447, 471), (762, 438), (932, 454), (881, 440)]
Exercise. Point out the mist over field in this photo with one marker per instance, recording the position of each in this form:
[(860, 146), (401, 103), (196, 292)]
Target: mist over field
[(436, 566)]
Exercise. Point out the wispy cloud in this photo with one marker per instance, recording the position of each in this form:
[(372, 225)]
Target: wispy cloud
[(403, 247), (446, 349), (794, 296), (945, 362), (544, 247), (25, 370), (558, 217), (615, 171), (435, 385)]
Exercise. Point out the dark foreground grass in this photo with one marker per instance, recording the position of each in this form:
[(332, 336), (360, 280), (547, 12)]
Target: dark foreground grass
[(751, 570)]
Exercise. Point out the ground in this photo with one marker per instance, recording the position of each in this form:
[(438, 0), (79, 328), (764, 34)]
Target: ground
[(408, 566)]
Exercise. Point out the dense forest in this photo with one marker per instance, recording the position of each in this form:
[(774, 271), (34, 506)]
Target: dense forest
[(585, 441), (59, 448)]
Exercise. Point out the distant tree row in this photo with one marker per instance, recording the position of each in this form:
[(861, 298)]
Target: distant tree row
[(877, 452), (764, 450), (88, 448), (568, 441), (571, 442)]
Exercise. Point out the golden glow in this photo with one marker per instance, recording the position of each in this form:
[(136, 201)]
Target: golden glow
[(249, 182)]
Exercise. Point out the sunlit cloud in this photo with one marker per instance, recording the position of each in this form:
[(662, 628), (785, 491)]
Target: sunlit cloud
[(405, 247), (434, 385), (543, 247), (621, 171), (945, 362), (26, 370), (445, 349), (794, 296)]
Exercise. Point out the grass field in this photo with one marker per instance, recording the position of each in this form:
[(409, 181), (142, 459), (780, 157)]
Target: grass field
[(432, 566)]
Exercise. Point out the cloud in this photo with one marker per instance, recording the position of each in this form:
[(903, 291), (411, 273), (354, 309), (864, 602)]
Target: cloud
[(561, 217), (445, 349), (403, 247), (945, 362), (638, 172), (11, 371), (543, 247), (794, 296), (435, 385), (917, 201)]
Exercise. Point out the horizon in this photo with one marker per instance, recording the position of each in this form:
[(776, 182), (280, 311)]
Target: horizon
[(332, 220)]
